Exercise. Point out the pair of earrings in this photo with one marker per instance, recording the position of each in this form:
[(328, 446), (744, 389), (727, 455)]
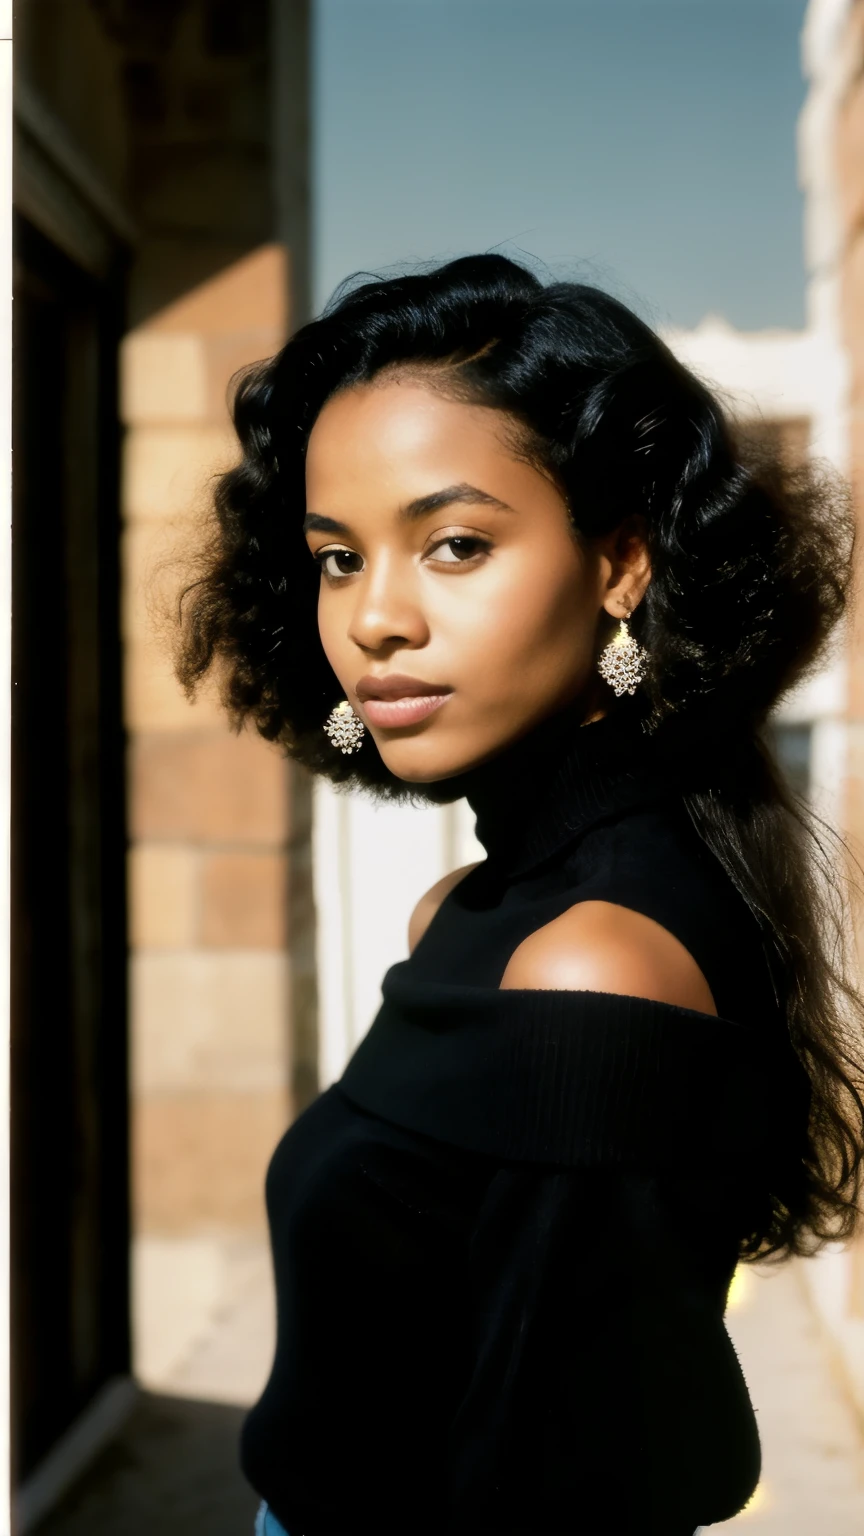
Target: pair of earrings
[(622, 664)]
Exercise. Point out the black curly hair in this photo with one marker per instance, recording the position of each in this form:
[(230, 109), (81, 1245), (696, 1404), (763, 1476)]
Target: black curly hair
[(751, 563)]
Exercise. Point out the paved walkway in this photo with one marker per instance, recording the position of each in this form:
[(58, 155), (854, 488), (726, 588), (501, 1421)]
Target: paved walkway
[(812, 1442), (173, 1471)]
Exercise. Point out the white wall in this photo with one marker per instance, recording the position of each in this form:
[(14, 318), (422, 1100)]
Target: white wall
[(785, 375), (372, 863)]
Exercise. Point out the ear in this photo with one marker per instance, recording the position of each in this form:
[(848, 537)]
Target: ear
[(626, 564)]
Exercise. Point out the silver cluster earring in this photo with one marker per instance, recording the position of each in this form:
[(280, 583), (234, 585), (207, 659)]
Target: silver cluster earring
[(345, 729), (623, 662)]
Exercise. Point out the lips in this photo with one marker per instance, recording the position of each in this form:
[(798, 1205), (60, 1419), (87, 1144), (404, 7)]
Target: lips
[(398, 700), (397, 685)]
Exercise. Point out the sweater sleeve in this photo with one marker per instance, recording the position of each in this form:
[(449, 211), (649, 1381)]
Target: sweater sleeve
[(603, 1388)]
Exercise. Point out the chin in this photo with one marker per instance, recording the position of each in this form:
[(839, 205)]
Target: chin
[(421, 774), (423, 762), (419, 767)]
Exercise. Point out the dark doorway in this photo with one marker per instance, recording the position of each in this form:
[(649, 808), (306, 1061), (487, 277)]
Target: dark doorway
[(70, 1310)]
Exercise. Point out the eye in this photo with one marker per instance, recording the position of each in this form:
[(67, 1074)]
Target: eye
[(323, 555), (468, 548)]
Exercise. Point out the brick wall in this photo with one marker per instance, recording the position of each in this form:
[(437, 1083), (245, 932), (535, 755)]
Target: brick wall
[(208, 810), (210, 879)]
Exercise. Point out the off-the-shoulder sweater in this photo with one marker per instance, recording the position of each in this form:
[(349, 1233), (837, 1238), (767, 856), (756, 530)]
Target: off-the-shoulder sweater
[(503, 1241)]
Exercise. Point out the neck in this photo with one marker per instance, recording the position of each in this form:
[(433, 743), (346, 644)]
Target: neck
[(547, 786)]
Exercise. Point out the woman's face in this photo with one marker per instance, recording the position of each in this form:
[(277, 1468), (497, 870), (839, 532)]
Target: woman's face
[(447, 560)]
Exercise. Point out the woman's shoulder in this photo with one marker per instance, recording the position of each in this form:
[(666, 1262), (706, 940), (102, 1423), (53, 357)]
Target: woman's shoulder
[(430, 901), (651, 899), (602, 946)]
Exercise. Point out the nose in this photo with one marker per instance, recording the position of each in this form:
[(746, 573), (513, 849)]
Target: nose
[(387, 607)]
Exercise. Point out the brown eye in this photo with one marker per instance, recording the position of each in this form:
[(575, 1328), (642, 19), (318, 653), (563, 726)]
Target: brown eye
[(467, 547), (341, 556)]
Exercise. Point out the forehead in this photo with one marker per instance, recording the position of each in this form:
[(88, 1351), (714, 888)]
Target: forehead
[(391, 426)]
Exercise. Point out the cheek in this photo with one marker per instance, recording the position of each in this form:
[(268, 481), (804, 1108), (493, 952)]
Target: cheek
[(331, 630), (533, 603)]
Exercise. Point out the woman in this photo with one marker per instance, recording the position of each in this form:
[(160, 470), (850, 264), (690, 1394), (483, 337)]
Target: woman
[(489, 538)]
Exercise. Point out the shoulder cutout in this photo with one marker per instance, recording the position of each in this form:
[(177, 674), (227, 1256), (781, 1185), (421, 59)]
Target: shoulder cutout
[(598, 946), (431, 900)]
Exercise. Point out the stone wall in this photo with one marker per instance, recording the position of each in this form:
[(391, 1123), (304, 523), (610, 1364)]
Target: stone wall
[(168, 106), (209, 811), (152, 151)]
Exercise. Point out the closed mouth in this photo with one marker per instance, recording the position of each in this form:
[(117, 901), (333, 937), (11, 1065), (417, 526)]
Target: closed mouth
[(410, 710), (398, 686)]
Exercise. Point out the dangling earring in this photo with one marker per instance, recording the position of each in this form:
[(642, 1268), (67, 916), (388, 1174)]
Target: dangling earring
[(345, 729), (623, 662)]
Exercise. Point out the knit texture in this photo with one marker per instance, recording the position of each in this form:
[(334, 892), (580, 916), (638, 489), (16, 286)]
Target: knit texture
[(503, 1241)]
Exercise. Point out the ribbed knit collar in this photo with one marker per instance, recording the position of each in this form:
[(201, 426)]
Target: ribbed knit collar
[(548, 786)]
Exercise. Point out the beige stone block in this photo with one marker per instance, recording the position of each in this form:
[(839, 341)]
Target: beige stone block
[(244, 900), (199, 1160), (163, 896), (169, 269), (208, 787), (226, 356), (163, 378), (154, 700), (158, 565), (209, 1020), (169, 471), (856, 450), (848, 55), (249, 294), (850, 157), (852, 291)]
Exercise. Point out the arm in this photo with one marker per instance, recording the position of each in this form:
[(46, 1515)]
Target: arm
[(429, 903), (602, 947), (604, 1395)]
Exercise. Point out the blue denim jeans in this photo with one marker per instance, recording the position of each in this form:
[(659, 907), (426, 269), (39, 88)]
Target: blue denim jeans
[(266, 1523)]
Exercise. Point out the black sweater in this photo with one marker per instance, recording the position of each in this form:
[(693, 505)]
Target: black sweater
[(503, 1241)]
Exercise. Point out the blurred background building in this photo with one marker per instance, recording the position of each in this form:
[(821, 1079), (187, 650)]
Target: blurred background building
[(164, 1020), (175, 885)]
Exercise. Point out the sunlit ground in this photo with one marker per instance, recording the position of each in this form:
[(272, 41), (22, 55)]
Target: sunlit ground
[(813, 1454)]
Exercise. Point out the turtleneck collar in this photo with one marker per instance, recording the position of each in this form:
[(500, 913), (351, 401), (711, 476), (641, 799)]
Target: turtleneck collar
[(546, 787)]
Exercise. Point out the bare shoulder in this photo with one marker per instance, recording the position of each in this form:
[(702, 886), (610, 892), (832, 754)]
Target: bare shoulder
[(431, 900), (599, 946)]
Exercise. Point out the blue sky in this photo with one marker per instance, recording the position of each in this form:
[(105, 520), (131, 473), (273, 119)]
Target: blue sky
[(645, 145)]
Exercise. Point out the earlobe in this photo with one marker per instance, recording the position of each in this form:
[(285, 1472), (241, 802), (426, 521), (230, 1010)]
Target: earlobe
[(630, 559)]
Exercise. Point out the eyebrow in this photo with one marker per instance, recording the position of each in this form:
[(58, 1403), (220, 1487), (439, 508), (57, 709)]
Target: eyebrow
[(423, 506)]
